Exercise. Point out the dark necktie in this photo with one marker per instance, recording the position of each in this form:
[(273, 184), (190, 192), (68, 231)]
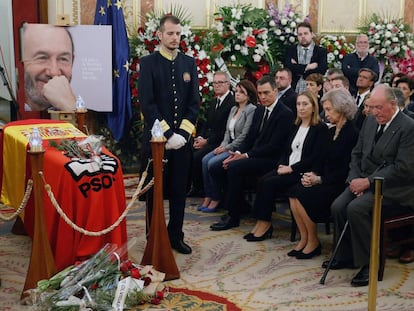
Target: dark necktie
[(266, 116), (305, 55), (379, 132), (218, 103), (358, 99)]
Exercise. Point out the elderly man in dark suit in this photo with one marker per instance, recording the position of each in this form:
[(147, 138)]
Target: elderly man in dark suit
[(285, 93), (260, 152), (168, 91), (305, 57), (385, 148), (210, 132)]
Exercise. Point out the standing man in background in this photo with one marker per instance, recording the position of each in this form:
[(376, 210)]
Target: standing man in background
[(353, 62), (305, 57), (168, 91)]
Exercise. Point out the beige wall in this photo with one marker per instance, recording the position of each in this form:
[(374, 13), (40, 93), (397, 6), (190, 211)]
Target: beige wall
[(327, 16)]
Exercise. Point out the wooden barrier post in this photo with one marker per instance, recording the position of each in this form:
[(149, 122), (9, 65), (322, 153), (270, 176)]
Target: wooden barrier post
[(42, 263), (158, 250), (80, 121), (374, 254)]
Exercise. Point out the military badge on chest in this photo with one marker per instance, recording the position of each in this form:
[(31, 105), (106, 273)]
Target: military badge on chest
[(186, 77)]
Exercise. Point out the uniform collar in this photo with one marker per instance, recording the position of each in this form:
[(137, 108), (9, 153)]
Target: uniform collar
[(168, 55)]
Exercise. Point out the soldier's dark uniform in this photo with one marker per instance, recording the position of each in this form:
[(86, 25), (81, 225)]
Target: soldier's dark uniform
[(169, 91)]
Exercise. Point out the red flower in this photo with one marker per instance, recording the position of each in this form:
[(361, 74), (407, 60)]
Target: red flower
[(135, 273), (155, 301), (258, 31), (258, 75), (94, 286), (126, 266), (147, 281), (251, 41), (159, 294), (217, 48), (264, 69), (141, 30)]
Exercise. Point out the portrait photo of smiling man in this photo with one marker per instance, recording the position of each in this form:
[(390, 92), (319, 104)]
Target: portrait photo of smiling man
[(48, 55)]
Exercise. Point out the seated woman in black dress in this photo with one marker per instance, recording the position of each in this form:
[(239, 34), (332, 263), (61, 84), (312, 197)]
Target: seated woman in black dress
[(310, 200), (303, 148)]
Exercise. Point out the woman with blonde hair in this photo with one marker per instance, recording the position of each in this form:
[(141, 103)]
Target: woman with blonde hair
[(311, 198), (303, 149)]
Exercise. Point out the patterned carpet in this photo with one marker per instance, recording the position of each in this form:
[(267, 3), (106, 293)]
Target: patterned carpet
[(225, 272)]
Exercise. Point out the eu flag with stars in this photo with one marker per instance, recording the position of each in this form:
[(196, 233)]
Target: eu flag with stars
[(109, 12)]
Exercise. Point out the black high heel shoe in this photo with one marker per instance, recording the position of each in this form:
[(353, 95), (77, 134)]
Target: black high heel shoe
[(294, 252), (266, 235), (317, 251), (247, 235)]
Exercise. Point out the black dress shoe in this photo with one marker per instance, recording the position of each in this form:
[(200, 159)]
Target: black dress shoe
[(337, 265), (247, 235), (226, 224), (266, 235), (361, 278), (181, 247), (316, 252), (294, 252)]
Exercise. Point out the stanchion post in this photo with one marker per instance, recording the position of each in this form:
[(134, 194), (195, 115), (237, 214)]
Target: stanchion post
[(374, 254), (42, 263), (80, 121), (158, 252)]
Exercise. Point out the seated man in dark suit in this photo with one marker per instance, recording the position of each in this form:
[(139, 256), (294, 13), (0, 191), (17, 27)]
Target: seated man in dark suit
[(365, 82), (260, 152), (385, 149), (210, 133), (285, 93)]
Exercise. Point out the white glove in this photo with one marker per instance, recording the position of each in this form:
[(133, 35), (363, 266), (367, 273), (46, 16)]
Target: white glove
[(176, 141)]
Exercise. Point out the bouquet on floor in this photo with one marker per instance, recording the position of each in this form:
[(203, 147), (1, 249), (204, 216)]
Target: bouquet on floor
[(104, 282)]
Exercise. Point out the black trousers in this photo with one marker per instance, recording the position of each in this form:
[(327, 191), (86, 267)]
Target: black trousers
[(175, 178), (269, 187), (235, 176)]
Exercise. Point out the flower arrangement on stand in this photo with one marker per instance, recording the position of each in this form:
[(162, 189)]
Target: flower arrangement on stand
[(389, 40), (337, 48), (406, 64), (284, 24), (241, 38), (145, 41)]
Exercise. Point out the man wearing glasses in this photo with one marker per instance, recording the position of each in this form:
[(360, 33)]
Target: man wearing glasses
[(210, 132), (353, 62), (48, 59)]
